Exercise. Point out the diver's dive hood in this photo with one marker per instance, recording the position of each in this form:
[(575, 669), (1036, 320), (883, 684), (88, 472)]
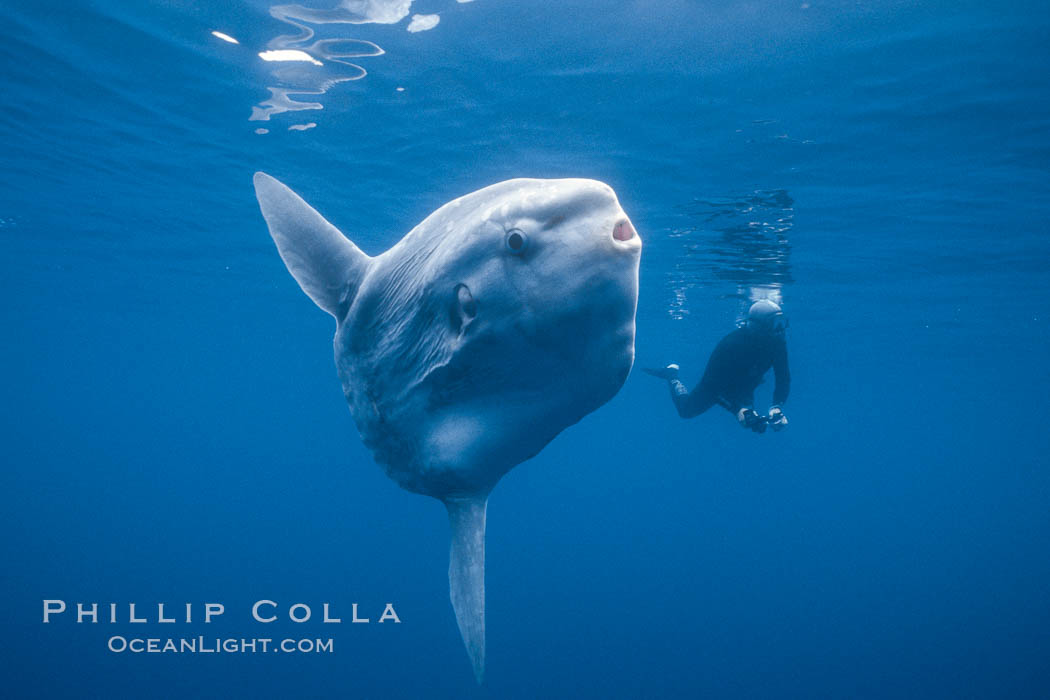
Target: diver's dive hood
[(766, 316)]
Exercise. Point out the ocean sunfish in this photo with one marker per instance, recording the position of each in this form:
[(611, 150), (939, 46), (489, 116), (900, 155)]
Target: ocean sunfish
[(503, 318)]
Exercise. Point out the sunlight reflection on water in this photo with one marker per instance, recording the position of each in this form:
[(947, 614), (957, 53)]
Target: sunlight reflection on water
[(739, 239), (314, 68)]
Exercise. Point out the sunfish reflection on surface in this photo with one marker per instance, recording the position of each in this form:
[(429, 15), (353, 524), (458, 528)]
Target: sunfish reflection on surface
[(504, 317)]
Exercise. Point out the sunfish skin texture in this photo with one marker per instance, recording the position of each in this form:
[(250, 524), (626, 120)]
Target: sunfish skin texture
[(504, 317)]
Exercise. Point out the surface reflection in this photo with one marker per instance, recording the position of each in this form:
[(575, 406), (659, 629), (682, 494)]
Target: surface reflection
[(305, 66), (225, 37), (308, 67), (737, 243)]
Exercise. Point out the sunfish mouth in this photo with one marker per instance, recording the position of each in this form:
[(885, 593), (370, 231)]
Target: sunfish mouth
[(624, 231)]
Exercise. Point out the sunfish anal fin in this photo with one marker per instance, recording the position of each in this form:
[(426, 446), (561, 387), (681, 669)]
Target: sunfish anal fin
[(466, 574)]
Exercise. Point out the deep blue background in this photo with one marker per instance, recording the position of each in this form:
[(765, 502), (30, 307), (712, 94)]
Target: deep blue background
[(173, 430)]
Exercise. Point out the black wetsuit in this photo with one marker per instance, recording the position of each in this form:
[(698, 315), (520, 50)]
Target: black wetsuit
[(735, 369)]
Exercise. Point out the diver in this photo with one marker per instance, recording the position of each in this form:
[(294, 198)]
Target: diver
[(736, 368)]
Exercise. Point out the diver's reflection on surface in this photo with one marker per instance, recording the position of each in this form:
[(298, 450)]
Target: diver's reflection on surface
[(739, 239)]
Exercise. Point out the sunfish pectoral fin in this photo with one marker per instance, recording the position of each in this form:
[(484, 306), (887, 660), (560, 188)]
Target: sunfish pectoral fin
[(466, 574), (325, 263)]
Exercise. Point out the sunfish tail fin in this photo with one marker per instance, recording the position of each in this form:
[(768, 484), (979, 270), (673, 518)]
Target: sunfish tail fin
[(325, 263), (466, 574)]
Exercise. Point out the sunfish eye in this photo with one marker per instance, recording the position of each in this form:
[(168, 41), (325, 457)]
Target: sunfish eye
[(517, 241)]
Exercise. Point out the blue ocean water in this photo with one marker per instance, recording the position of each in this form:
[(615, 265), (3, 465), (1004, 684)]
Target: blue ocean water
[(173, 430)]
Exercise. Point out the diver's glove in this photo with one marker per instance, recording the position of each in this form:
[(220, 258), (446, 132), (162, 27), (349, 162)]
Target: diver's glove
[(751, 420), (777, 419), (669, 372)]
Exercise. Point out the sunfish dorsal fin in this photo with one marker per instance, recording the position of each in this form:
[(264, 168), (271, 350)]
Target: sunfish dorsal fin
[(466, 574), (325, 263)]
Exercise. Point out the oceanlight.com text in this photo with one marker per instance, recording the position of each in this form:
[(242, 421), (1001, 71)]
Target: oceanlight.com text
[(218, 645)]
